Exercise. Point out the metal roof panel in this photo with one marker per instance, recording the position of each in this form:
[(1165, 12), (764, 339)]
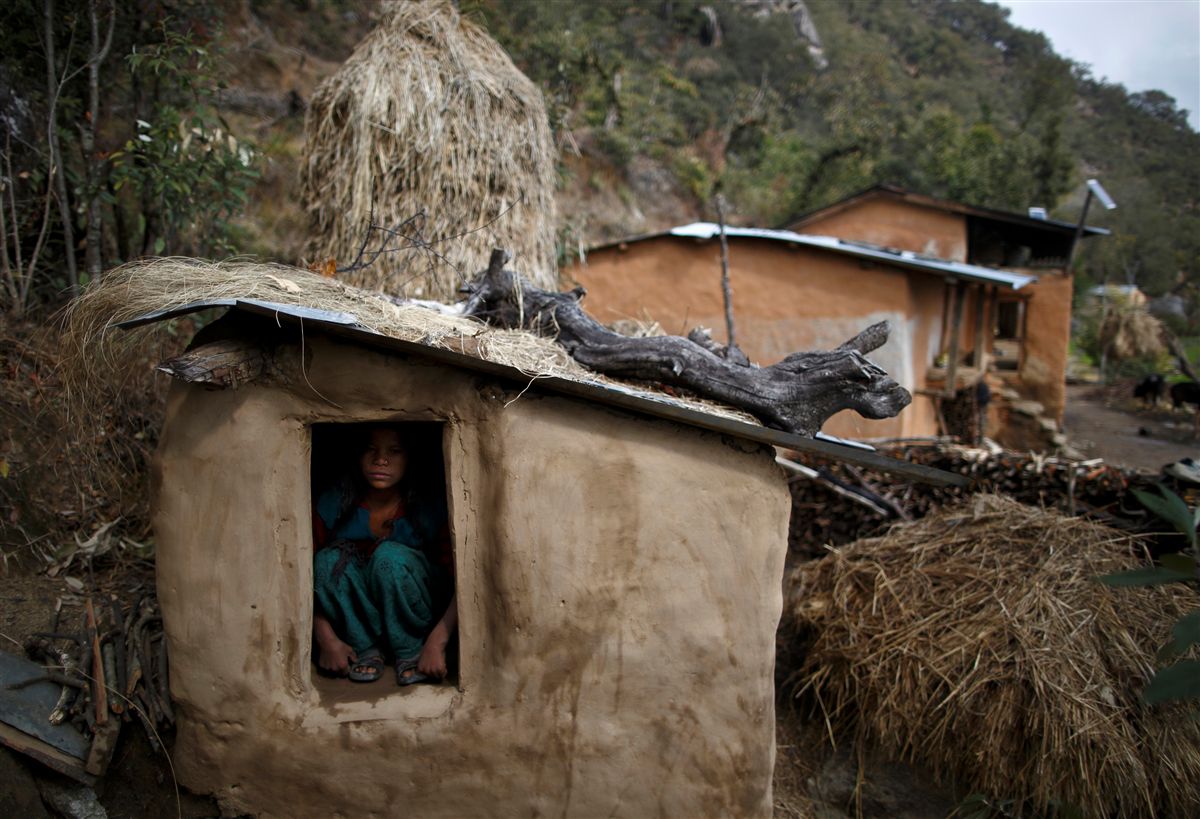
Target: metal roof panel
[(863, 250), (631, 399)]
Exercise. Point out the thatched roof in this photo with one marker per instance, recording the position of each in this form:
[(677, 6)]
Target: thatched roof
[(978, 643), (429, 115), (150, 286)]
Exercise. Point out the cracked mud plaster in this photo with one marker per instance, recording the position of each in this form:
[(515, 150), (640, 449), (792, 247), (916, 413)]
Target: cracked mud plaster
[(619, 584)]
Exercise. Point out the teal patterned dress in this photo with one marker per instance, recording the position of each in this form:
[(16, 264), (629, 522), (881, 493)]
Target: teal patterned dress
[(387, 593)]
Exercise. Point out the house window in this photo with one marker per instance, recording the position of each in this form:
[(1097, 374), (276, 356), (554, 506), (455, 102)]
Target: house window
[(383, 557)]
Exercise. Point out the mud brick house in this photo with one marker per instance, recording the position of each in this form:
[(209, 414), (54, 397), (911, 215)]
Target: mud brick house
[(962, 286), (619, 560)]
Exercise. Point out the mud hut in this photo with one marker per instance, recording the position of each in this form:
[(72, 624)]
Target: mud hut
[(618, 569), (431, 133), (618, 557)]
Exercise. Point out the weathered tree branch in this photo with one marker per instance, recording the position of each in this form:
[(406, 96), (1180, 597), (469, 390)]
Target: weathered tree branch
[(1176, 349), (797, 394), (54, 88)]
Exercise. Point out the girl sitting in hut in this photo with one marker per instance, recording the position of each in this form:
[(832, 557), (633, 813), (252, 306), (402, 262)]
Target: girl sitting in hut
[(383, 573)]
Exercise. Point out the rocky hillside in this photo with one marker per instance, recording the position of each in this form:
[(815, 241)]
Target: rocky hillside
[(785, 105), (656, 105)]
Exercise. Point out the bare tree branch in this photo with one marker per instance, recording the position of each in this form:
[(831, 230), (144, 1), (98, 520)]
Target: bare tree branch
[(797, 394)]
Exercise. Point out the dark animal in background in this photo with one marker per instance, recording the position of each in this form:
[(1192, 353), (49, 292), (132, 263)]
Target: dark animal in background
[(1185, 392), (1151, 389)]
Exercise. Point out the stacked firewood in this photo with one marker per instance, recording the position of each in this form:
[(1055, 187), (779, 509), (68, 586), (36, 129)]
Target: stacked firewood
[(844, 503), (112, 668)]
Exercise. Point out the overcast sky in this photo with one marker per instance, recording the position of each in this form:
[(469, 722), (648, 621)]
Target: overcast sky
[(1141, 44)]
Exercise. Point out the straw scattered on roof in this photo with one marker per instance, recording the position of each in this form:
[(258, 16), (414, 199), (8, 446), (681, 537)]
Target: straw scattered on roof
[(977, 643), (430, 115), (143, 287)]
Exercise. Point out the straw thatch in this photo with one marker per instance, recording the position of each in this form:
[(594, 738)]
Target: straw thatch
[(429, 115), (978, 643), (1131, 332), (142, 287)]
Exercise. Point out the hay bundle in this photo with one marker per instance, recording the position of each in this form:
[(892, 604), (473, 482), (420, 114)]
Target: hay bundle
[(1131, 332), (430, 115), (977, 643)]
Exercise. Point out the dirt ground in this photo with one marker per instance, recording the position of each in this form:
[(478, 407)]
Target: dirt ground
[(1107, 422)]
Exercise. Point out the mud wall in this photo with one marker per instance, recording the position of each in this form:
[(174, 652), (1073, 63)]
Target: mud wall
[(1043, 373), (786, 298), (896, 224), (619, 584)]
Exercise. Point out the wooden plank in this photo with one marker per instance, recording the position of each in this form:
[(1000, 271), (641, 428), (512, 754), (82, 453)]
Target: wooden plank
[(980, 304), (955, 334), (45, 753)]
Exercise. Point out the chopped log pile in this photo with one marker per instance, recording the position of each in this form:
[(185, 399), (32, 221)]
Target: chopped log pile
[(841, 503), (112, 666)]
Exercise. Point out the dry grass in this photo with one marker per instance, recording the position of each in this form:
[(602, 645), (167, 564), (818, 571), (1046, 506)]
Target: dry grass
[(429, 115), (1131, 333), (160, 284), (66, 479), (977, 643)]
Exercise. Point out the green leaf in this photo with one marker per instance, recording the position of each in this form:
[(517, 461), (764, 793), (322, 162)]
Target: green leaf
[(159, 245), (1179, 562), (1176, 682), (1149, 576), (1171, 508), (1184, 634)]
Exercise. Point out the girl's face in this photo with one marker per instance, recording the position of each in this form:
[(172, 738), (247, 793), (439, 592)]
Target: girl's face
[(384, 460)]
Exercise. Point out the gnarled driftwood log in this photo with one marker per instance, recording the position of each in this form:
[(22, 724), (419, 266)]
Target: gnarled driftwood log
[(796, 395)]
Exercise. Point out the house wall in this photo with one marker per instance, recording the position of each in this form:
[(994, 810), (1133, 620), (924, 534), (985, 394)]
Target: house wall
[(894, 223), (1043, 373), (619, 586), (786, 298)]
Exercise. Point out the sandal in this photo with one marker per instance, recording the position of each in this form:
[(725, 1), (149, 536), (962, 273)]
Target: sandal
[(367, 668), (407, 674)]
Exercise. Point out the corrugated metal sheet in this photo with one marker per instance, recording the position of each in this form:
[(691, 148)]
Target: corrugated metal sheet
[(628, 398), (864, 250)]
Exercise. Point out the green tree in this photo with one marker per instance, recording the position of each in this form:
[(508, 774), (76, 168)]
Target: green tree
[(163, 176)]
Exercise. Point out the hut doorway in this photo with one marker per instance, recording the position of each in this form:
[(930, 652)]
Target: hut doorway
[(383, 579)]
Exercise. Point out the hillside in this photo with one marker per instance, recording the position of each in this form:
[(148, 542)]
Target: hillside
[(786, 106), (782, 105)]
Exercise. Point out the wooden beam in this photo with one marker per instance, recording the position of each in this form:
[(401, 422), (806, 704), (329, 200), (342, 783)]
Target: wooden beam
[(955, 333), (980, 304)]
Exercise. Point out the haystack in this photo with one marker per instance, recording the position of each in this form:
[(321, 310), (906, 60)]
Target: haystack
[(429, 118), (1131, 332), (977, 643)]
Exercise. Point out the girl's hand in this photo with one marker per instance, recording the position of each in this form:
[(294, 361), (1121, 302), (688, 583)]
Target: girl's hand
[(336, 656)]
